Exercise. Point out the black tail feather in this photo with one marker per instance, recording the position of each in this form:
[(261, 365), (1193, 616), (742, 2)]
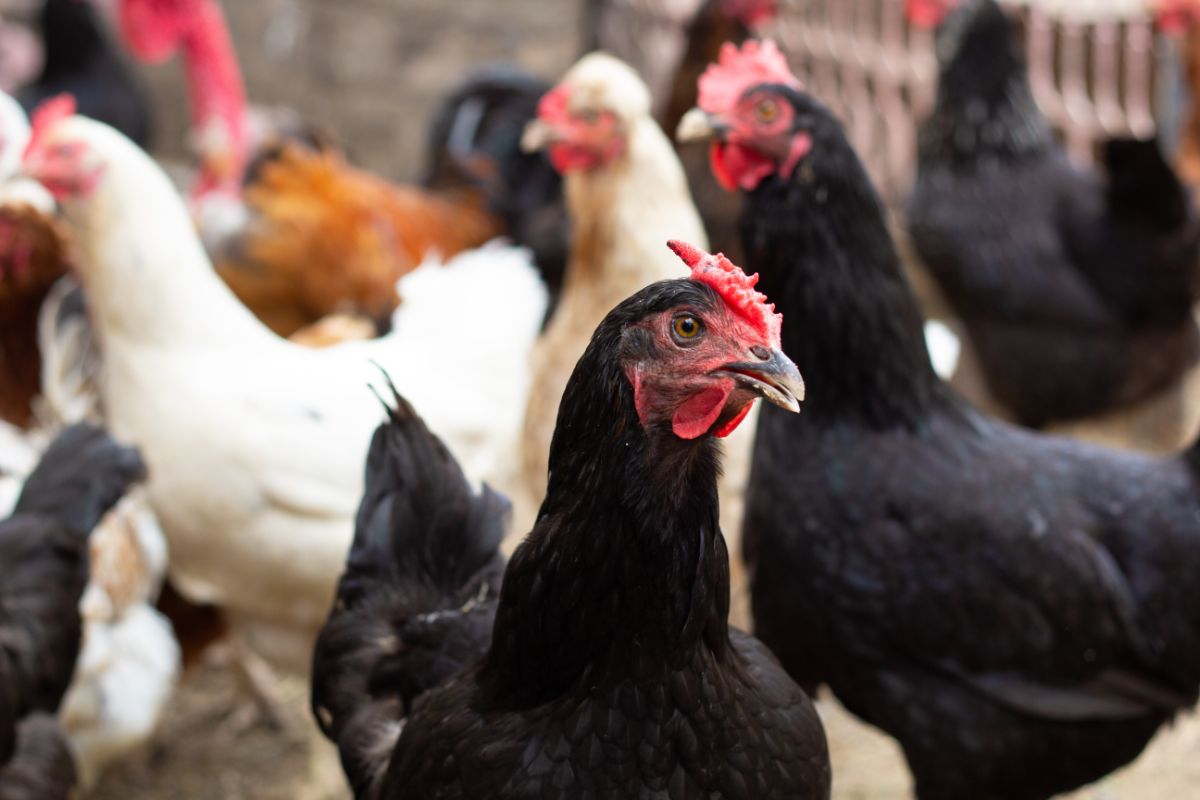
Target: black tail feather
[(414, 605)]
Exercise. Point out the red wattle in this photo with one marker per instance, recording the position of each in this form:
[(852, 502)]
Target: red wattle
[(566, 157), (736, 166), (716, 161), (731, 426), (698, 413)]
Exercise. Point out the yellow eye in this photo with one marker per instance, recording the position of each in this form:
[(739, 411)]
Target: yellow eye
[(686, 327), (767, 110)]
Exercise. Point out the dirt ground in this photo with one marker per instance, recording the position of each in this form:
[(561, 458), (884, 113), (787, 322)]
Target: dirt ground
[(371, 69)]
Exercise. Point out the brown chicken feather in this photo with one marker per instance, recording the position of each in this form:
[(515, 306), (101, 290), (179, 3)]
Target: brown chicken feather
[(1188, 160), (33, 255), (327, 238)]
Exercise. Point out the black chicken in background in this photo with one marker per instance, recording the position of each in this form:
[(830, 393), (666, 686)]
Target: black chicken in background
[(475, 142), (716, 22), (80, 59), (1014, 608), (43, 571), (609, 669), (1076, 291)]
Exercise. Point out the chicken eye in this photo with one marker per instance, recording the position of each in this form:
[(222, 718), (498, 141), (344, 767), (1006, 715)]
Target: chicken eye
[(767, 110), (588, 116), (686, 327)]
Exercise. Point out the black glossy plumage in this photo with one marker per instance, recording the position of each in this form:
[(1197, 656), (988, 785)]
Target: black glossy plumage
[(611, 671), (1016, 609), (1076, 291), (43, 571), (416, 603), (475, 141), (81, 59)]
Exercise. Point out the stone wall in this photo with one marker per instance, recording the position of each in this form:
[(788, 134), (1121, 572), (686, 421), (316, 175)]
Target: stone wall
[(372, 70)]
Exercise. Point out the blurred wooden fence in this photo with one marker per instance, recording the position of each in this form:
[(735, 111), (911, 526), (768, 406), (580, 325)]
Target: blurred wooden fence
[(1097, 67)]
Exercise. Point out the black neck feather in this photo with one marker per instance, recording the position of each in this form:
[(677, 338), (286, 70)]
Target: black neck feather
[(985, 109), (625, 572), (821, 245)]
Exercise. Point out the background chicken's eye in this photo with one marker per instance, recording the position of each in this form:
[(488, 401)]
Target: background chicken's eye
[(588, 116), (686, 327), (767, 110)]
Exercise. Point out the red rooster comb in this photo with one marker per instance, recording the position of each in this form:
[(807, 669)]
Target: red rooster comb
[(751, 13), (46, 116), (1174, 17), (738, 69), (734, 286)]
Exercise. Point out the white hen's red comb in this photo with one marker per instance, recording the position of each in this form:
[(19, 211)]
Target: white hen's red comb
[(734, 286), (45, 117)]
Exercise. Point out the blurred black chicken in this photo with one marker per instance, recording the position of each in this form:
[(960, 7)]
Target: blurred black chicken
[(1016, 609), (602, 664), (81, 60), (1077, 292), (475, 142), (715, 22), (43, 571)]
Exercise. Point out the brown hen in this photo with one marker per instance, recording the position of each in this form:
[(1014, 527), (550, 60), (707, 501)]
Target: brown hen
[(327, 238), (33, 255)]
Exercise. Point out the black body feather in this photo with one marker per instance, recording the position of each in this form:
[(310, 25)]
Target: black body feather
[(44, 566), (81, 60), (1015, 609), (610, 670), (1076, 291), (475, 141)]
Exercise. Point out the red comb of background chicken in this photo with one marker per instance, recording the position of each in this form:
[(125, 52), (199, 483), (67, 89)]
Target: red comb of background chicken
[(1174, 17), (153, 29), (553, 105), (929, 13), (734, 286), (751, 13), (738, 69), (46, 116)]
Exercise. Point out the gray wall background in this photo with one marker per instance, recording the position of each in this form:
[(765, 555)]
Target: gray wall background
[(372, 70)]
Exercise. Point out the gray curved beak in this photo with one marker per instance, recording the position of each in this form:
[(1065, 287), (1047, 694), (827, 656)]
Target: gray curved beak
[(776, 379), (695, 126)]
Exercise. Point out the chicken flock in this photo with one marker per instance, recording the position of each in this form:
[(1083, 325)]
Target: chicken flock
[(454, 453)]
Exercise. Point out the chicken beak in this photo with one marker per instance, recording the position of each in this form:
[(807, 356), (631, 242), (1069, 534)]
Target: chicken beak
[(776, 379), (696, 126), (538, 134)]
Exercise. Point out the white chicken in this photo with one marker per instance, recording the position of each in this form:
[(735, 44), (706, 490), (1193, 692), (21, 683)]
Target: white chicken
[(626, 195), (256, 445)]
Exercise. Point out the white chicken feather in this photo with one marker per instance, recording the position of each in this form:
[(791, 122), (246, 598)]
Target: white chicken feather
[(256, 445)]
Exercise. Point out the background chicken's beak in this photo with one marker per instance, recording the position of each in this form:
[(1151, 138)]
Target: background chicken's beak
[(777, 379), (538, 133), (696, 126)]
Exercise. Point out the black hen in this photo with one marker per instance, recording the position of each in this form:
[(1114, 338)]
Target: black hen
[(610, 670), (1076, 292), (43, 571), (81, 60), (1014, 608), (475, 142)]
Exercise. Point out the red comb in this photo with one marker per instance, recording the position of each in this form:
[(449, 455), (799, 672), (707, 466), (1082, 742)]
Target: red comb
[(46, 116), (553, 105), (1174, 17), (734, 286), (751, 13), (738, 69)]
